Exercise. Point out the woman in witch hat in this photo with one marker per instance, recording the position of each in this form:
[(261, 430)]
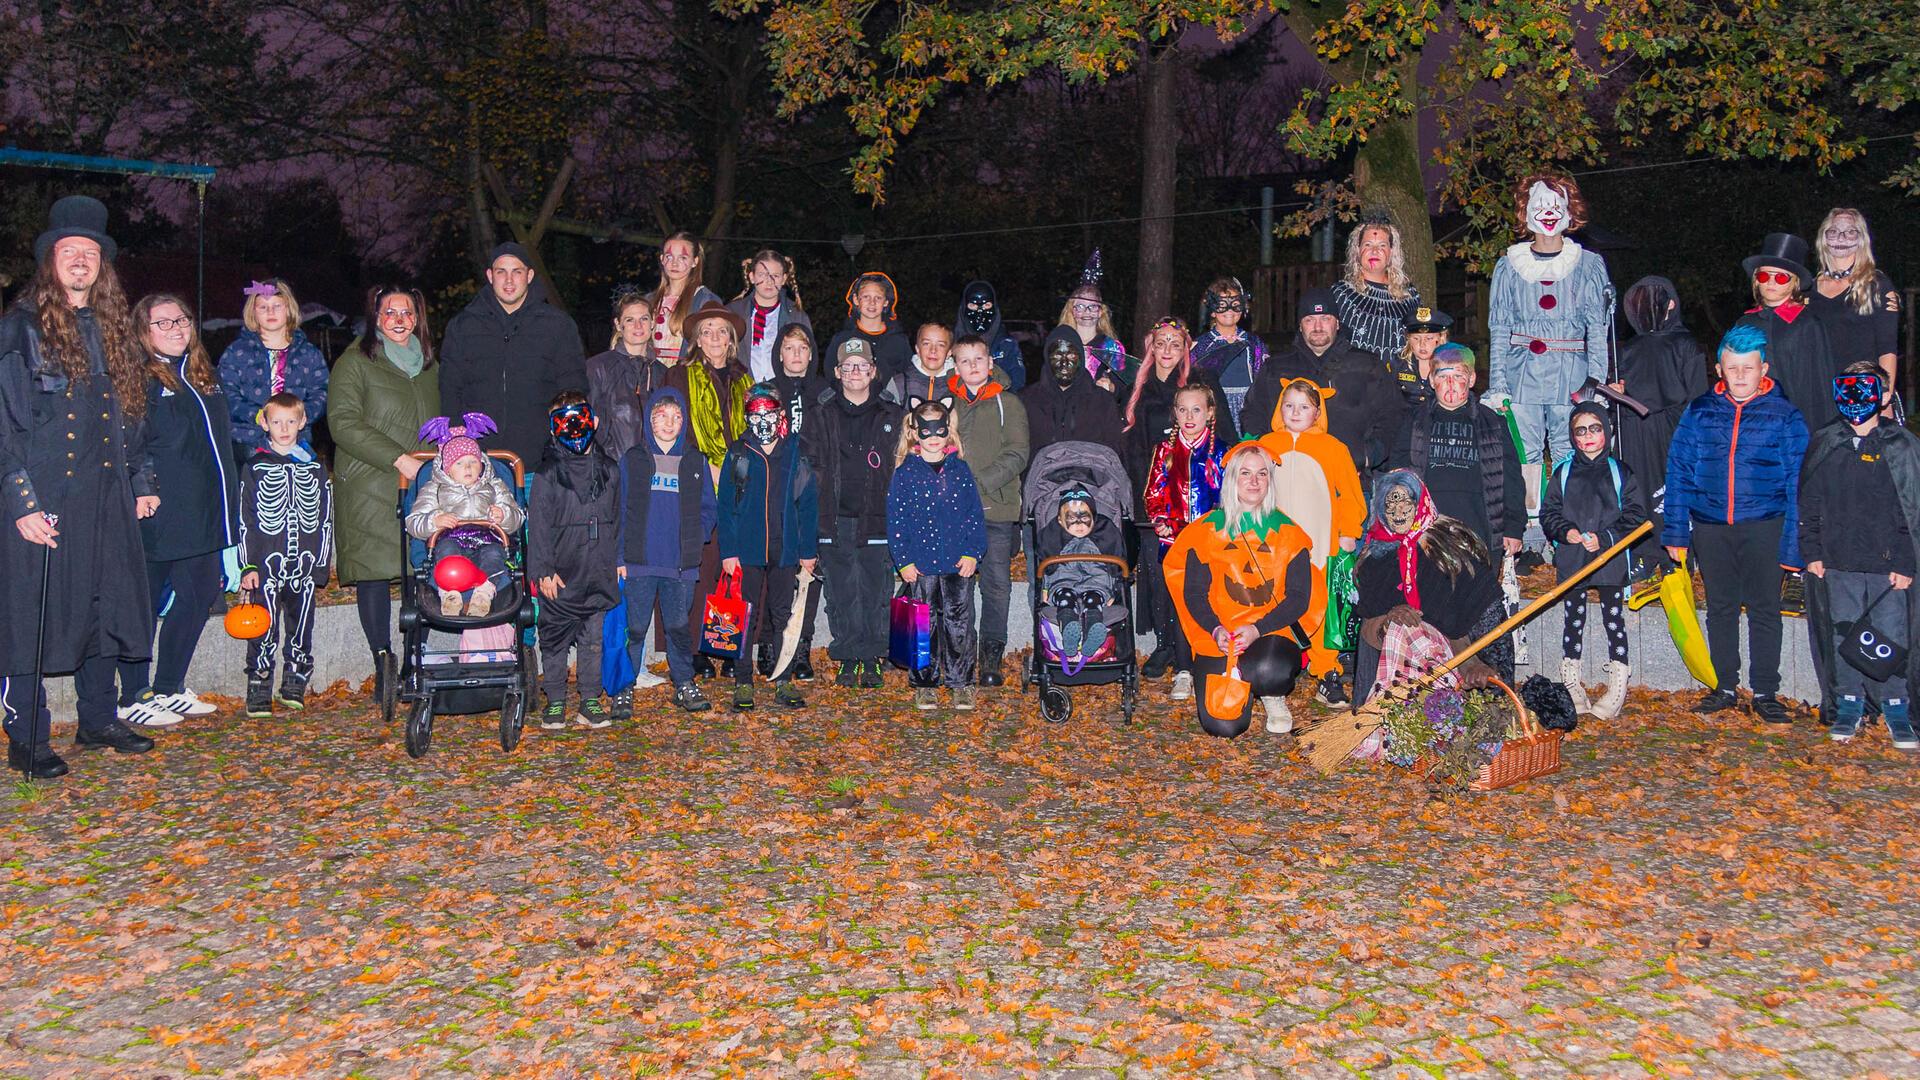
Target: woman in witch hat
[(1087, 312)]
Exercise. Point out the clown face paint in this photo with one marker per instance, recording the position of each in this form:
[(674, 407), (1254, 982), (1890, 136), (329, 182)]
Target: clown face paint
[(1857, 397), (1064, 362), (1546, 210), (1842, 240), (572, 426)]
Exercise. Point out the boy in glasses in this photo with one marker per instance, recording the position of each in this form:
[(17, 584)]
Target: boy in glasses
[(1591, 501)]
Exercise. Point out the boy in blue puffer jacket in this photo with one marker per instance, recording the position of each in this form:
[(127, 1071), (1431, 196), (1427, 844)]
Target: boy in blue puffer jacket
[(1733, 494)]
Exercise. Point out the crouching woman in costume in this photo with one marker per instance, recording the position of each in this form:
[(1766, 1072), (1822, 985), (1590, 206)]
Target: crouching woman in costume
[(1419, 567), (1241, 577)]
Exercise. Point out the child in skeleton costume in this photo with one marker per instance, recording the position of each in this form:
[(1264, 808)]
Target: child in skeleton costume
[(1548, 318), (286, 540), (463, 509), (1375, 297), (572, 552)]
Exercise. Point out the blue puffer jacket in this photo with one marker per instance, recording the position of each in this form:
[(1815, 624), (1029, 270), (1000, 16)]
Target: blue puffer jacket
[(246, 374), (935, 518), (1736, 462)]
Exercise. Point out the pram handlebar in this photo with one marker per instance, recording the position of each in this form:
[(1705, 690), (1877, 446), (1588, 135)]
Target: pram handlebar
[(1115, 561)]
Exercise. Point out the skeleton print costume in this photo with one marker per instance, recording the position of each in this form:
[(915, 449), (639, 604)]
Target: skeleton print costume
[(286, 533)]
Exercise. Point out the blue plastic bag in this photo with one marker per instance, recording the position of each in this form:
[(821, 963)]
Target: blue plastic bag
[(617, 672)]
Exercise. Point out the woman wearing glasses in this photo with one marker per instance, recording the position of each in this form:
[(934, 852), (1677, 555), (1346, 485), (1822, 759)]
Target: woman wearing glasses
[(1799, 351), (190, 445), (1855, 301), (385, 387)]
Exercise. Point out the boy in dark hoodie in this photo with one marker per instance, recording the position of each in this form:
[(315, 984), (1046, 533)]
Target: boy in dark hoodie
[(979, 315), (667, 511), (804, 394), (769, 523), (872, 314), (572, 543)]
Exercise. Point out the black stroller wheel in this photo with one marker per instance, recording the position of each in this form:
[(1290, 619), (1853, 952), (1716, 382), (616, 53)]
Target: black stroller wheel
[(420, 726), (513, 718), (1056, 707)]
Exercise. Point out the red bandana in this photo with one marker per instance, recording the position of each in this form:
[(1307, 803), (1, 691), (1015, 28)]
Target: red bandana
[(1409, 542)]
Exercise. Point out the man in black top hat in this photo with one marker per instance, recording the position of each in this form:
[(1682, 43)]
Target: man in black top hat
[(1365, 410), (74, 481)]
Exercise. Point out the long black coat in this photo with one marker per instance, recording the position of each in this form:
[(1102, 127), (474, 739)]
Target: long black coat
[(189, 442), (1800, 359), (1901, 449), (1080, 411), (1664, 369), (66, 449), (510, 366)]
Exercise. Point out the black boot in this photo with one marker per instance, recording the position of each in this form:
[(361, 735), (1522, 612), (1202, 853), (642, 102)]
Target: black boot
[(766, 654), (726, 668), (293, 692), (870, 674), (259, 696), (991, 653), (382, 674), (803, 662), (702, 666), (1159, 663), (115, 735), (45, 765)]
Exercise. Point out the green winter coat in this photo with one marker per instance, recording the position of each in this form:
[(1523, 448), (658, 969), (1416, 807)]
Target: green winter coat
[(993, 441), (375, 412)]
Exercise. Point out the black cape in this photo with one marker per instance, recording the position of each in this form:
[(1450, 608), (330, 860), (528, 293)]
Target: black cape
[(1664, 369)]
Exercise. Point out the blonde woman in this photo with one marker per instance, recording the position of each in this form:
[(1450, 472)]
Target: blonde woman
[(1857, 303), (1375, 296), (271, 356)]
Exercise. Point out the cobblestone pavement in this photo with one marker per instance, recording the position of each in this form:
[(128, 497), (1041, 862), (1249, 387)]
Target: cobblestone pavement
[(859, 889)]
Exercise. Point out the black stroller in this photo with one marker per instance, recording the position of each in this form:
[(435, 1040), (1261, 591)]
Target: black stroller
[(462, 681), (1097, 468)]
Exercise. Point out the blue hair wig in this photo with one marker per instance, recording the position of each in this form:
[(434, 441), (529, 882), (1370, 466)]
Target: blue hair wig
[(1744, 338)]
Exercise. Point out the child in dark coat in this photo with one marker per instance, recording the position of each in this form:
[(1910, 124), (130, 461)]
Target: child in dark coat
[(572, 547), (667, 511), (937, 529), (1591, 501), (769, 528)]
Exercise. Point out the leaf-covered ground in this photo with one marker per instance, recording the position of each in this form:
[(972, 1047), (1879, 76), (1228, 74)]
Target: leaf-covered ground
[(861, 890)]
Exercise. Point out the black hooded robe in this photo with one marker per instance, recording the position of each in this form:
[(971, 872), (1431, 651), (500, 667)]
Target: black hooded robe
[(1801, 360), (1664, 369), (1080, 410)]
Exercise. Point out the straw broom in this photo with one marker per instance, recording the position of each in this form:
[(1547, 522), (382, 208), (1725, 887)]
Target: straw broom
[(1329, 742)]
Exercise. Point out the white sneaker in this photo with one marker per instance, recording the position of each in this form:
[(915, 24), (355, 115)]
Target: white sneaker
[(186, 703), (1279, 717), (1182, 686), (647, 680), (148, 713)]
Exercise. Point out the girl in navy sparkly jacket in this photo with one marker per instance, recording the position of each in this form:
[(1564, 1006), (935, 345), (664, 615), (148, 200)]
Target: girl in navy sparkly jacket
[(937, 533)]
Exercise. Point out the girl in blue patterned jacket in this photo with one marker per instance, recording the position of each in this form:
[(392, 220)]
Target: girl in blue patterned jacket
[(937, 532)]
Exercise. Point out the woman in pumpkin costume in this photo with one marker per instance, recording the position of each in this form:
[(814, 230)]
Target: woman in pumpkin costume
[(1241, 578), (1319, 490)]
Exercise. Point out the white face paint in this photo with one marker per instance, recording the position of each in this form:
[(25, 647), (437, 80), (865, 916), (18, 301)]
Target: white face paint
[(1546, 210)]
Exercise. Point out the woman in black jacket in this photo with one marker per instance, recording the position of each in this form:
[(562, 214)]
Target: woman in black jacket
[(190, 445)]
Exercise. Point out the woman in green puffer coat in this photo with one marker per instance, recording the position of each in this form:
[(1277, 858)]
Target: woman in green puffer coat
[(383, 389)]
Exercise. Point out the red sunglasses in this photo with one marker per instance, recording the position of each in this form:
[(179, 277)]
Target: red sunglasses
[(1778, 277)]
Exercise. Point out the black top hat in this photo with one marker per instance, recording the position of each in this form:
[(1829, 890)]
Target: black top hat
[(82, 215), (1426, 320), (1784, 250)]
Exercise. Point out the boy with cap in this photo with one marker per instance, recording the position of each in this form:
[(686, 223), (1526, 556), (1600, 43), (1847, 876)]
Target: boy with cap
[(769, 526)]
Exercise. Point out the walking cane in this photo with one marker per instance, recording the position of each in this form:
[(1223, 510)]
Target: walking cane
[(39, 654)]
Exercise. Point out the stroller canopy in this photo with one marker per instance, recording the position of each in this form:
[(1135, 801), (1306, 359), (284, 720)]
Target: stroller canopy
[(1071, 464)]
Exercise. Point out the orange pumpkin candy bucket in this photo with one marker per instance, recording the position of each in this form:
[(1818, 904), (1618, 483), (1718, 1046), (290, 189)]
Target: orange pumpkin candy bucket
[(247, 620)]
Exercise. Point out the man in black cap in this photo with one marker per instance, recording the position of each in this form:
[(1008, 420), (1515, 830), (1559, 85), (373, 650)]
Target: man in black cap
[(74, 480), (1426, 329), (508, 353), (1365, 410)]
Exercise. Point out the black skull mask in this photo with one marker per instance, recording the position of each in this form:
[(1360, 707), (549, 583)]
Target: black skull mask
[(980, 310)]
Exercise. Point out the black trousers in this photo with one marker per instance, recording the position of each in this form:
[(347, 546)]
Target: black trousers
[(949, 600), (1270, 666), (1740, 564), (859, 592), (195, 582), (92, 687), (374, 599), (770, 590), (1168, 634), (560, 633)]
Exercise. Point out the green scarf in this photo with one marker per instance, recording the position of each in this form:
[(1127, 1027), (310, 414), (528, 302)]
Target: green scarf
[(409, 358)]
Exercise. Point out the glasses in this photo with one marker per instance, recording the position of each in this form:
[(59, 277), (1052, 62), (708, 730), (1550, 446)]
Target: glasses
[(1086, 307), (1842, 234), (1589, 429), (1778, 277), (855, 367), (398, 314), (184, 322)]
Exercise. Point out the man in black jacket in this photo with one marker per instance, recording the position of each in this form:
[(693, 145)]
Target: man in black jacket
[(1462, 451), (508, 353), (859, 432), (1366, 409)]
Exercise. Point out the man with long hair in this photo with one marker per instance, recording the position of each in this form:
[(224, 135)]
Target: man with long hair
[(73, 472)]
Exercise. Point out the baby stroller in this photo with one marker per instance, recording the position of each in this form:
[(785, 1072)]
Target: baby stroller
[(1097, 468), (461, 681)]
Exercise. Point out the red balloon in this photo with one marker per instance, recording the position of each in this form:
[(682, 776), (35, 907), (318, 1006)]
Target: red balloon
[(457, 572)]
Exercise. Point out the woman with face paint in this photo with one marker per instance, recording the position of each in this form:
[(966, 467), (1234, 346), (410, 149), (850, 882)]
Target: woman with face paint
[(1241, 578), (1063, 403), (1800, 356), (937, 533), (1376, 296), (1592, 500), (1229, 351), (1087, 314), (1419, 567), (769, 305), (1148, 417), (1855, 301)]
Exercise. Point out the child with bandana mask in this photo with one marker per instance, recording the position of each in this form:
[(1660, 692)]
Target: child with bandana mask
[(937, 533), (1076, 598), (572, 552), (458, 507), (1591, 501), (768, 527), (1859, 502)]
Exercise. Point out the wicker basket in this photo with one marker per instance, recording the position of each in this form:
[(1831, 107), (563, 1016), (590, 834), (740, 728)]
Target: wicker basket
[(1535, 753)]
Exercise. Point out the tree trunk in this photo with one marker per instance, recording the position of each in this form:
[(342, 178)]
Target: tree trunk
[(743, 68), (1159, 144), (1387, 174), (480, 233)]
